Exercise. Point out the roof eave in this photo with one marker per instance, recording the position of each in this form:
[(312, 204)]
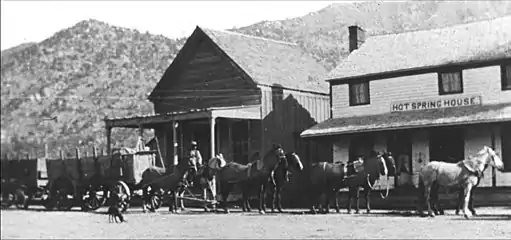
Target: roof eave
[(417, 70)]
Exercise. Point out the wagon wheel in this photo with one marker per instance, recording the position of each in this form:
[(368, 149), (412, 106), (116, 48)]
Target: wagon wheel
[(121, 192), (62, 195), (46, 200), (7, 199), (94, 197), (155, 199), (21, 199)]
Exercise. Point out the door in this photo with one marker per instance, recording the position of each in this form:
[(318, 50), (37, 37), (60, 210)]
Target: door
[(447, 145), (361, 146), (240, 141), (400, 144)]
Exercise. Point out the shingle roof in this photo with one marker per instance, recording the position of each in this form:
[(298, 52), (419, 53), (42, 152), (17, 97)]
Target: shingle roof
[(271, 62), (403, 120), (476, 41)]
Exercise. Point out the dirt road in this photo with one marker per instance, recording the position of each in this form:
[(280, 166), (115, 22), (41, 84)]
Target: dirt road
[(492, 223)]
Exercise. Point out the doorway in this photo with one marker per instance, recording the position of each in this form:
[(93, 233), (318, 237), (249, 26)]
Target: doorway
[(447, 144), (361, 146), (400, 144)]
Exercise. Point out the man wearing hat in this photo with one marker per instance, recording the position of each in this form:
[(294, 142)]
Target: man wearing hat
[(195, 156)]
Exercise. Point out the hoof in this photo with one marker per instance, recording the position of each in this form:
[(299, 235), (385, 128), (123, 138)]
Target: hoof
[(261, 212), (337, 210), (273, 210), (280, 211), (226, 211), (467, 216), (442, 212), (349, 212), (357, 212), (457, 213), (206, 209), (368, 211)]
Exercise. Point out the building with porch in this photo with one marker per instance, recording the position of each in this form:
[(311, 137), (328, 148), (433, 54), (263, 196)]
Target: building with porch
[(439, 94), (237, 95)]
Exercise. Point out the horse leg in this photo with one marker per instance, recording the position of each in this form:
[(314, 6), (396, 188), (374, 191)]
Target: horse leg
[(459, 203), (427, 193), (329, 195), (434, 197), (471, 203), (351, 192), (145, 195), (336, 201), (313, 197), (262, 199), (367, 194), (225, 189), (278, 190), (357, 192), (468, 189)]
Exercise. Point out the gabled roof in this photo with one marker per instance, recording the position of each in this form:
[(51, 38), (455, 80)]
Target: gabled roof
[(472, 42), (267, 62)]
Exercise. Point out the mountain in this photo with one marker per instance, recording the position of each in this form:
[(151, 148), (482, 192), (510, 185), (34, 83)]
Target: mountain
[(325, 33), (93, 69)]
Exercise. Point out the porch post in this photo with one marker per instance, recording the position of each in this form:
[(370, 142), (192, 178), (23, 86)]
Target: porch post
[(174, 142), (108, 141), (212, 121), (249, 141)]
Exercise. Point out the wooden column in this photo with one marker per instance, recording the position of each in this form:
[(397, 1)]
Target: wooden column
[(108, 140), (174, 143), (229, 132), (493, 171), (212, 123), (249, 139)]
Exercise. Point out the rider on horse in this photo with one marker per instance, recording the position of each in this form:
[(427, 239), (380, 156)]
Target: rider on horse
[(195, 156)]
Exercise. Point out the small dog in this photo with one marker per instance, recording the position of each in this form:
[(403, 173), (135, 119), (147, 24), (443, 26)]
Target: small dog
[(114, 213)]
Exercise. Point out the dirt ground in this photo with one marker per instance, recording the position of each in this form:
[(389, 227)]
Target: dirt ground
[(491, 223)]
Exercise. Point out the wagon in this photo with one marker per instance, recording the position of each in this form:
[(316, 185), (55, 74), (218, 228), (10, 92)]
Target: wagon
[(22, 182)]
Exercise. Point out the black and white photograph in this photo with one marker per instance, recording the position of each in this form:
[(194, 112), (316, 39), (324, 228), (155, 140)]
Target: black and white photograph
[(162, 119)]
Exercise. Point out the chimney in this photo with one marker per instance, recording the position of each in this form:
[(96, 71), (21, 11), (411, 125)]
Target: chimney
[(357, 37)]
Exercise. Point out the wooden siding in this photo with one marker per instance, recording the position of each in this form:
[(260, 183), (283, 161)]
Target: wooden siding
[(207, 79), (484, 81), (286, 113)]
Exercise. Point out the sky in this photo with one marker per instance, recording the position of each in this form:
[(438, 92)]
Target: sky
[(34, 21)]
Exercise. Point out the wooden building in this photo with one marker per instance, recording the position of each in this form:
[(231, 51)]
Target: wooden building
[(439, 94), (237, 95)]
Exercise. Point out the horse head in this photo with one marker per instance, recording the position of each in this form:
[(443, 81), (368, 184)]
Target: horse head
[(279, 156), (390, 163), (491, 157), (293, 161)]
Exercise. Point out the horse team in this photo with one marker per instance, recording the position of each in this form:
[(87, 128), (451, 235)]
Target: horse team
[(272, 172)]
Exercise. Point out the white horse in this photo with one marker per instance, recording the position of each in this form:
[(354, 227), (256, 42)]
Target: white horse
[(462, 174)]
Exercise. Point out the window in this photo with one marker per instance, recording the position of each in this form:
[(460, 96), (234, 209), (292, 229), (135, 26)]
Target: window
[(450, 82), (506, 76), (359, 94)]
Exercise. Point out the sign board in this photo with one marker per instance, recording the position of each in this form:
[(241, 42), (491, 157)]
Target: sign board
[(417, 105)]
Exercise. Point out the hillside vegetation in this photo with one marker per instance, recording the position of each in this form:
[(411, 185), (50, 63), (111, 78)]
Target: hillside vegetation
[(92, 70)]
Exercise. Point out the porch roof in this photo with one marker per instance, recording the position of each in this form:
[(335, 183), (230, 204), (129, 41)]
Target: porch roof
[(238, 112), (415, 119)]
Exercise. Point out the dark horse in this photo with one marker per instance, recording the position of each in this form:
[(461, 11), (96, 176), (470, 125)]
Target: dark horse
[(325, 180), (280, 177), (251, 176), (374, 165), (169, 180)]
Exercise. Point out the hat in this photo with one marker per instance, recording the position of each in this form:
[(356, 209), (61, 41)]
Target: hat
[(194, 143)]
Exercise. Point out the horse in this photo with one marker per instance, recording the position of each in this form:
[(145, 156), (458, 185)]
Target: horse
[(250, 176), (438, 210), (374, 166), (203, 179), (326, 179), (280, 177), (463, 174), (168, 180)]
